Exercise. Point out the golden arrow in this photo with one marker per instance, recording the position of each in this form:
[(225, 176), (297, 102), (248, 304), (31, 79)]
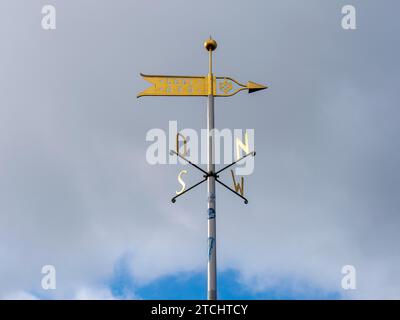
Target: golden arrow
[(163, 85), (226, 88)]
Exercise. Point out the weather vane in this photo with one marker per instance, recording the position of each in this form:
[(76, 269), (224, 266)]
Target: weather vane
[(209, 86)]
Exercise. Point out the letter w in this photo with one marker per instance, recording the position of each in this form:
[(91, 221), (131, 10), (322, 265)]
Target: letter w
[(239, 187)]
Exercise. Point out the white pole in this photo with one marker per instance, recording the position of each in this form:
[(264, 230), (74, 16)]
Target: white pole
[(211, 45), (212, 238)]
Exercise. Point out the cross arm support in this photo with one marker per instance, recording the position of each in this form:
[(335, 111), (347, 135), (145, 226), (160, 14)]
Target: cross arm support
[(173, 200), (172, 152), (233, 163), (230, 189)]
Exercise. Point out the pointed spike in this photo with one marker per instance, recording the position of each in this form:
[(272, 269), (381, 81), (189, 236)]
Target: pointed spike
[(252, 86)]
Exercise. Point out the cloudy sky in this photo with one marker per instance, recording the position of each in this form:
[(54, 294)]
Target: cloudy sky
[(77, 192)]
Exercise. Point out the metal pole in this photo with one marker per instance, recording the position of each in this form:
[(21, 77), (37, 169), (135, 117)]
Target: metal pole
[(212, 238)]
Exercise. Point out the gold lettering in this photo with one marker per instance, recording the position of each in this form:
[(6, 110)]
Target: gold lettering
[(181, 182), (239, 187), (241, 145), (184, 144)]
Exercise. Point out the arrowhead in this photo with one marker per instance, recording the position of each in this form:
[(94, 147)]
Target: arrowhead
[(252, 86)]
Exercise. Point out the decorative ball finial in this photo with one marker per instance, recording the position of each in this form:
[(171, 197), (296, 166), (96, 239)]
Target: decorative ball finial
[(210, 44)]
